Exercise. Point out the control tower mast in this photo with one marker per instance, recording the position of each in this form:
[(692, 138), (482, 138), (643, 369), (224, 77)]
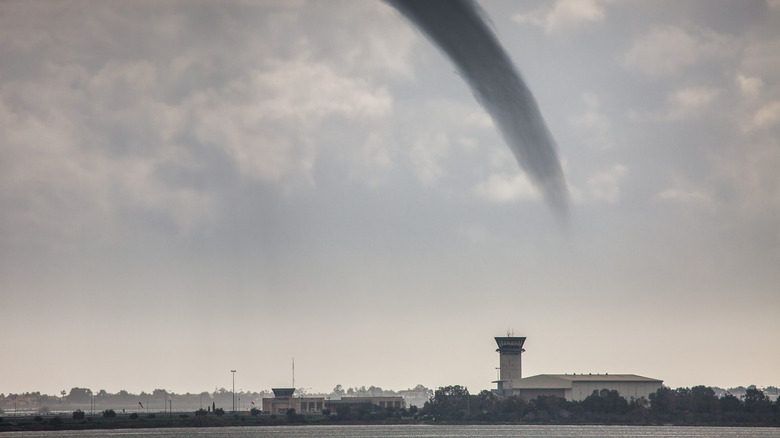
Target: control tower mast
[(510, 350)]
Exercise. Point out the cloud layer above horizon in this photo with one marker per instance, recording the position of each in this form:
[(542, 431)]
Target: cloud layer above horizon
[(303, 178)]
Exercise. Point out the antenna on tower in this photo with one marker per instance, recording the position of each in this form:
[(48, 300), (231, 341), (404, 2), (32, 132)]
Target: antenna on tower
[(293, 372), (510, 333)]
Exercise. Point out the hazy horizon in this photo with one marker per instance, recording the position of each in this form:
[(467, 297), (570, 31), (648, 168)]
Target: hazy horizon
[(193, 187)]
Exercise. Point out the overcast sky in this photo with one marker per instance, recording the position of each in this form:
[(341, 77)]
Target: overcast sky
[(190, 187)]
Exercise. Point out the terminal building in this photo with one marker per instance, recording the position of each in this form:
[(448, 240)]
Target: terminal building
[(572, 387), (284, 399)]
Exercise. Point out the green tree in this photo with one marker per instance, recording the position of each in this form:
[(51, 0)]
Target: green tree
[(449, 402), (729, 403), (79, 395), (547, 407), (756, 401), (293, 417), (703, 400), (511, 408), (662, 402), (638, 409)]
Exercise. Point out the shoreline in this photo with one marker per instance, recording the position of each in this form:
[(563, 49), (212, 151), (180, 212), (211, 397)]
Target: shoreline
[(32, 423)]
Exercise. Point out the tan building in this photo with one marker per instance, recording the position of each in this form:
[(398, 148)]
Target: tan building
[(366, 403), (577, 387), (416, 397), (283, 400)]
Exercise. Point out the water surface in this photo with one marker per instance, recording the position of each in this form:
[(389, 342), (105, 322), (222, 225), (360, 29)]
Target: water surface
[(419, 431)]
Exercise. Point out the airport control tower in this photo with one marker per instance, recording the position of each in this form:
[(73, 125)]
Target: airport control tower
[(510, 350)]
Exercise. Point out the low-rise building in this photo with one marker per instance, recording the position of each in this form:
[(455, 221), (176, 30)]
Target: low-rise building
[(370, 404), (417, 396), (284, 399), (577, 387)]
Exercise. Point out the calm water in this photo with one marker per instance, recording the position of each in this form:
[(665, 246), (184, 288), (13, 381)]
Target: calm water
[(420, 431)]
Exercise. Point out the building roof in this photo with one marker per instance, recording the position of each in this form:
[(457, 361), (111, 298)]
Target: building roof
[(510, 344), (551, 381), (283, 392)]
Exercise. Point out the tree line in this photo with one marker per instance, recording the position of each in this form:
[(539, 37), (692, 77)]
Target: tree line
[(157, 400), (698, 405)]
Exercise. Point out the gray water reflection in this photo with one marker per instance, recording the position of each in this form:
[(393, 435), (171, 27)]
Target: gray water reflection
[(420, 431)]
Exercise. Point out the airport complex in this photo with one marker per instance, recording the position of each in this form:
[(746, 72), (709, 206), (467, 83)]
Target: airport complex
[(572, 387)]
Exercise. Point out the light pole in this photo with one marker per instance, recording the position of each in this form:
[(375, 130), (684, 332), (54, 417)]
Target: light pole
[(234, 389)]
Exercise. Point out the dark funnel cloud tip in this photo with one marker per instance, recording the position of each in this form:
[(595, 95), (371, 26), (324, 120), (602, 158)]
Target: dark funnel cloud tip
[(457, 27)]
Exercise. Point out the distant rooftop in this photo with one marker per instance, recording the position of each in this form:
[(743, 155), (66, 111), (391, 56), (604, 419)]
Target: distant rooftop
[(283, 392), (547, 381)]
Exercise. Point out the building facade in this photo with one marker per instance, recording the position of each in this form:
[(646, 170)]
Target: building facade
[(577, 387), (370, 404), (284, 399)]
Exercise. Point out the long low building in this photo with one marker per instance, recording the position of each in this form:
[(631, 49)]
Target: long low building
[(577, 387), (366, 403), (284, 399)]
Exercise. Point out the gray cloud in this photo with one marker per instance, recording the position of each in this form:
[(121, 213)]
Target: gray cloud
[(185, 170)]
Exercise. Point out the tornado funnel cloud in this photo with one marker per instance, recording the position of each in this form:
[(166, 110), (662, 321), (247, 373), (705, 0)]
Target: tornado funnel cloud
[(458, 29)]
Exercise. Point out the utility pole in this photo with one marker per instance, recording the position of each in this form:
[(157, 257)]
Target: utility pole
[(234, 389)]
